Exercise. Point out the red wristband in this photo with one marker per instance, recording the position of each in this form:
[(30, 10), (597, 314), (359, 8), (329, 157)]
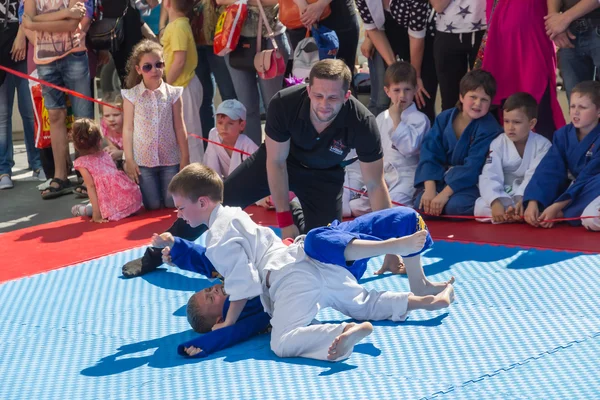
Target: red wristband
[(284, 219)]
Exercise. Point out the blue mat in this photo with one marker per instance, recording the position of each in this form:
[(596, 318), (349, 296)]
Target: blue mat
[(525, 326)]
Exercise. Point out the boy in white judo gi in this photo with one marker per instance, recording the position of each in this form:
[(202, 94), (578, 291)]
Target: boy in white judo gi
[(567, 181), (231, 122), (292, 285), (511, 162), (402, 127)]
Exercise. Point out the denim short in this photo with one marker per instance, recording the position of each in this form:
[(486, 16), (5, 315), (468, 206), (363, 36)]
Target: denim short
[(71, 72)]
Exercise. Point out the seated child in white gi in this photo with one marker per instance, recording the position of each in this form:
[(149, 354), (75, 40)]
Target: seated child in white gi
[(567, 181), (402, 127), (231, 121), (293, 286), (511, 162)]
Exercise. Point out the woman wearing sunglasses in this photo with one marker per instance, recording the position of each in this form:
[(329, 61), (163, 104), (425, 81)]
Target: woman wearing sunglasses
[(154, 134)]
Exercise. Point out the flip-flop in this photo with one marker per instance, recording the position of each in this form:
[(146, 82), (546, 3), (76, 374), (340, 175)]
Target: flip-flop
[(78, 190), (64, 187)]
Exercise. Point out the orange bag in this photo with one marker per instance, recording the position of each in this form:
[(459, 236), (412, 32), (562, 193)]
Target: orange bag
[(289, 13), (229, 28), (41, 122)]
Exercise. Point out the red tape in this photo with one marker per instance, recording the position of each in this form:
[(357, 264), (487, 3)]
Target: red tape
[(77, 94)]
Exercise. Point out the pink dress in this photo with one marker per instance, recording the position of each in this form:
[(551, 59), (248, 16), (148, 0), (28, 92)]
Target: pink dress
[(519, 54), (118, 196)]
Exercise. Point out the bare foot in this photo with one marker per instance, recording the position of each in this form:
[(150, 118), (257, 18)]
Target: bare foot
[(353, 333), (412, 243), (432, 288), (443, 299)]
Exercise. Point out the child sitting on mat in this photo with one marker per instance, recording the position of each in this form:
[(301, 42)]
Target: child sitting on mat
[(293, 285), (113, 195)]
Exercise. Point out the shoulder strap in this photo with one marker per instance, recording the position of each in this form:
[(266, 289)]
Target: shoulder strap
[(266, 21)]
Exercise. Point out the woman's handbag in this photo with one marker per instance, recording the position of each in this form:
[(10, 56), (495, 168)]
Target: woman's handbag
[(242, 57), (268, 63), (107, 33)]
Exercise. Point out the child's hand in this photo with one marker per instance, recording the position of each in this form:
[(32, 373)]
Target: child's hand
[(438, 203), (532, 213), (426, 200), (395, 111), (220, 325), (166, 256), (98, 219), (192, 351), (132, 170), (163, 240), (519, 210), (552, 212), (265, 203), (499, 215)]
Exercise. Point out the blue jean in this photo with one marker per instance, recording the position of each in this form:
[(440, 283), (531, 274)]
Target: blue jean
[(7, 97), (154, 182), (211, 68), (73, 72), (578, 64), (246, 88), (378, 101)]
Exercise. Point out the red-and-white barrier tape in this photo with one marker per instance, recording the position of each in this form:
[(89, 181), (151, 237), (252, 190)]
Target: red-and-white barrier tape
[(82, 96)]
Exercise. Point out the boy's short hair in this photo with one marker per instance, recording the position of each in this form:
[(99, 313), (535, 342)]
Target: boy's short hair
[(196, 319), (195, 181), (184, 6), (475, 79), (333, 70), (590, 89), (399, 72), (524, 101)]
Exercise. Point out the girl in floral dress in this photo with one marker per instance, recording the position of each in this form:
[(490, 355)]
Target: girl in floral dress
[(113, 196)]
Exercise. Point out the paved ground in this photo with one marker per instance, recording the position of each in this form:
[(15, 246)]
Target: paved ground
[(23, 206)]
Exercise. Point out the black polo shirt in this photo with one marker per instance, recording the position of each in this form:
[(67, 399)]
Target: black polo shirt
[(288, 118)]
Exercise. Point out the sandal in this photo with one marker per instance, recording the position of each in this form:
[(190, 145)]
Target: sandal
[(64, 187), (78, 210), (81, 192)]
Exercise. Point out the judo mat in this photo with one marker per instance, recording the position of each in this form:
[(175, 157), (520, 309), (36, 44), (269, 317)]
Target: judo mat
[(525, 325)]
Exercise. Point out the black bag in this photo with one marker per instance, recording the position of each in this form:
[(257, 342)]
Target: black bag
[(242, 57), (107, 33)]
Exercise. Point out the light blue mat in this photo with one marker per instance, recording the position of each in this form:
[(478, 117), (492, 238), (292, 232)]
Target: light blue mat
[(525, 326)]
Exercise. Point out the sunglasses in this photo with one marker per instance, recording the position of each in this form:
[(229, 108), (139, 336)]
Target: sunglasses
[(148, 67)]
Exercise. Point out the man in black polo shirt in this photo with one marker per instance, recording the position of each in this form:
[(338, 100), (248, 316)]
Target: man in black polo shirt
[(310, 130)]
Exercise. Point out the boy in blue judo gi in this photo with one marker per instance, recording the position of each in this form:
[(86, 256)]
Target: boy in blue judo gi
[(566, 183), (328, 245), (454, 150)]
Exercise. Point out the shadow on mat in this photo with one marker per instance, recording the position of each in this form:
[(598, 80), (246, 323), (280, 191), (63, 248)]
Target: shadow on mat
[(449, 255), (166, 279), (63, 233), (435, 321), (540, 258), (165, 355)]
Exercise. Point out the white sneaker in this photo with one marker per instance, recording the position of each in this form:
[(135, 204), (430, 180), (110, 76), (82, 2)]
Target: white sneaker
[(6, 182), (39, 175), (44, 185)]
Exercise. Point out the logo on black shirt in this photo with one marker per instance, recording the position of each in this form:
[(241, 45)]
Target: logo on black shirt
[(337, 147)]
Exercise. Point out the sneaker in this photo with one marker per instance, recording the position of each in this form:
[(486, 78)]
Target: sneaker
[(44, 185), (39, 175), (6, 182)]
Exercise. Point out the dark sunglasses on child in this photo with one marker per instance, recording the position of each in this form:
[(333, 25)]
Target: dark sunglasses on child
[(148, 67)]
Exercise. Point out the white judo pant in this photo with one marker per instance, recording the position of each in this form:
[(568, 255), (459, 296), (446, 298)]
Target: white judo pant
[(298, 293), (192, 100), (592, 210)]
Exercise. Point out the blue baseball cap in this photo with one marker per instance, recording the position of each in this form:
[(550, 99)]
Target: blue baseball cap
[(233, 109)]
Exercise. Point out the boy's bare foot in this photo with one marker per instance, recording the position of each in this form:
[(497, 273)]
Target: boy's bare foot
[(353, 333), (432, 288), (443, 299), (412, 243)]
